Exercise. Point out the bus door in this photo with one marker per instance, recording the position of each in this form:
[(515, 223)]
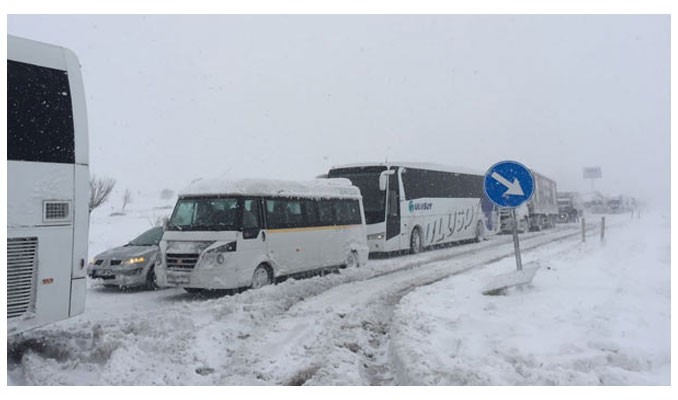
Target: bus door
[(251, 245), (286, 240), (393, 211)]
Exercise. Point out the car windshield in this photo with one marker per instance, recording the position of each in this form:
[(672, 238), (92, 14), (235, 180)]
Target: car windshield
[(149, 238), (204, 214)]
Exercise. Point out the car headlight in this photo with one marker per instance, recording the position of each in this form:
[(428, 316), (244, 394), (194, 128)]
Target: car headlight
[(376, 236), (135, 260)]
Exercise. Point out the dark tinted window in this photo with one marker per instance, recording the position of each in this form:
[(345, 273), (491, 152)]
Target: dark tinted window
[(284, 213), (250, 214), (310, 209), (326, 212), (348, 212), (419, 183), (367, 180), (39, 114)]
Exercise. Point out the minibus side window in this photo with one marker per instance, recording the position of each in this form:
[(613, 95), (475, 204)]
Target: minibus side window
[(326, 212)]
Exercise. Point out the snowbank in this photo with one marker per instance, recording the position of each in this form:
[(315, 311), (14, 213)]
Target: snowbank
[(594, 315)]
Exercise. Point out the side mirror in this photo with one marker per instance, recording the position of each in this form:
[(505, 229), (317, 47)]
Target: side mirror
[(383, 179)]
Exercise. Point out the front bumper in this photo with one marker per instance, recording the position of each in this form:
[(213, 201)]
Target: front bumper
[(123, 276)]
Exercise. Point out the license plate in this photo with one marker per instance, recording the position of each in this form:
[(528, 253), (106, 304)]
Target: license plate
[(177, 279)]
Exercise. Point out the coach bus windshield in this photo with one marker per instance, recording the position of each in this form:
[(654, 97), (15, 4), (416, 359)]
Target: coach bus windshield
[(204, 214), (374, 200)]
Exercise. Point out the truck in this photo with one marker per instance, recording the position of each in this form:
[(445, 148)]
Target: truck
[(541, 211), (570, 207)]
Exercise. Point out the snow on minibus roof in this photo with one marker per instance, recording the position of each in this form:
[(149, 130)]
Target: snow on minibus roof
[(317, 188), (415, 165)]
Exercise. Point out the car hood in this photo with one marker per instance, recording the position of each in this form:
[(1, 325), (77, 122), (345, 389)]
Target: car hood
[(123, 252)]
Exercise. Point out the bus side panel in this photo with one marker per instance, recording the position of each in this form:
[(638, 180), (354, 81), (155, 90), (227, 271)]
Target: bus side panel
[(80, 239), (80, 221), (51, 281), (79, 108)]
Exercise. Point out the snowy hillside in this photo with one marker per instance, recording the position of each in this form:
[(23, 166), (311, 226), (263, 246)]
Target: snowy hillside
[(595, 314)]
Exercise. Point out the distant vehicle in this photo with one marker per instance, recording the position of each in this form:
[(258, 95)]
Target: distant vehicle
[(47, 185), (543, 206), (570, 207), (414, 206), (131, 265), (506, 219), (252, 233)]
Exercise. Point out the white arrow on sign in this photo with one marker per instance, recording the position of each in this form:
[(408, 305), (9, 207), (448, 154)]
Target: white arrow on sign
[(513, 188)]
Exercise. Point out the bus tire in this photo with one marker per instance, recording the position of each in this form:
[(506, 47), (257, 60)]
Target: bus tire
[(262, 276), (480, 232), (415, 241)]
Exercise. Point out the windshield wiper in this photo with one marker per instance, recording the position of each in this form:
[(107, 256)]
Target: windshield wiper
[(170, 225)]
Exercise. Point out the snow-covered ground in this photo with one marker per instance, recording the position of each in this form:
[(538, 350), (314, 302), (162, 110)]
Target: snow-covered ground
[(595, 314)]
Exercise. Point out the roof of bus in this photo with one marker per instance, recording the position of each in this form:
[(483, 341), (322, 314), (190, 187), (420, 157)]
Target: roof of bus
[(317, 188), (415, 165)]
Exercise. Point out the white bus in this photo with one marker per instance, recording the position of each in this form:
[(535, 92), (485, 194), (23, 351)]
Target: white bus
[(251, 233), (47, 185), (413, 206)]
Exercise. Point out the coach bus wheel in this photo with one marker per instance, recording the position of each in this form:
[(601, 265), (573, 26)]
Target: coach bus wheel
[(415, 241), (480, 232), (262, 276)]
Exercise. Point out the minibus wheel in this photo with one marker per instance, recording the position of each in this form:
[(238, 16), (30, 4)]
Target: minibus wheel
[(263, 276), (352, 260)]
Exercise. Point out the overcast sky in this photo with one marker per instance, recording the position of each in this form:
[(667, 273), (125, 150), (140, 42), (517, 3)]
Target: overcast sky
[(172, 98)]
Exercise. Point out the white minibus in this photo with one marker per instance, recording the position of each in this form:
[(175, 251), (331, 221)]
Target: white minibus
[(47, 185), (250, 233), (413, 206)]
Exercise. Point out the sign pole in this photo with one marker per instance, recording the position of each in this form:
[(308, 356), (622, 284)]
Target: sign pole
[(516, 244)]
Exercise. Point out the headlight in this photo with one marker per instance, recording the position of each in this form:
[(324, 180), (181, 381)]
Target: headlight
[(135, 260), (376, 236), (224, 248)]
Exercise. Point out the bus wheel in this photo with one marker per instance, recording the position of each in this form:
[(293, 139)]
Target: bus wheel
[(352, 260), (262, 276), (480, 232), (151, 280), (415, 241)]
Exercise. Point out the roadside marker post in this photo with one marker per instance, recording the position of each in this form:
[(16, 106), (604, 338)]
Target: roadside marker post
[(508, 184)]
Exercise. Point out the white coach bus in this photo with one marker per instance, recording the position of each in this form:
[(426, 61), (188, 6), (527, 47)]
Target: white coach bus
[(413, 206), (47, 185), (250, 233)]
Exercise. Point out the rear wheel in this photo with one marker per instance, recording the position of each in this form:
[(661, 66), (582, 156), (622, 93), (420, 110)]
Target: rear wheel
[(352, 260), (415, 241), (262, 276)]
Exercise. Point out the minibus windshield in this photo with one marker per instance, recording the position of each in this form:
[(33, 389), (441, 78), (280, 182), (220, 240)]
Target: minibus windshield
[(205, 214)]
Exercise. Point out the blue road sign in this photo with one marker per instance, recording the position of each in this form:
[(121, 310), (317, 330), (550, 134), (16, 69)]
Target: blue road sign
[(509, 184)]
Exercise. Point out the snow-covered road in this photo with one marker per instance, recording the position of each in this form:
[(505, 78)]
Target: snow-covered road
[(341, 329)]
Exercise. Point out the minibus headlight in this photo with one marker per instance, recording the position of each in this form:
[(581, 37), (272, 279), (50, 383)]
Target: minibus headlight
[(224, 248), (135, 260), (376, 236)]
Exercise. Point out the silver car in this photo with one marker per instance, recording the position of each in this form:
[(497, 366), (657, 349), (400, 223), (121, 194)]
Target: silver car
[(131, 265)]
